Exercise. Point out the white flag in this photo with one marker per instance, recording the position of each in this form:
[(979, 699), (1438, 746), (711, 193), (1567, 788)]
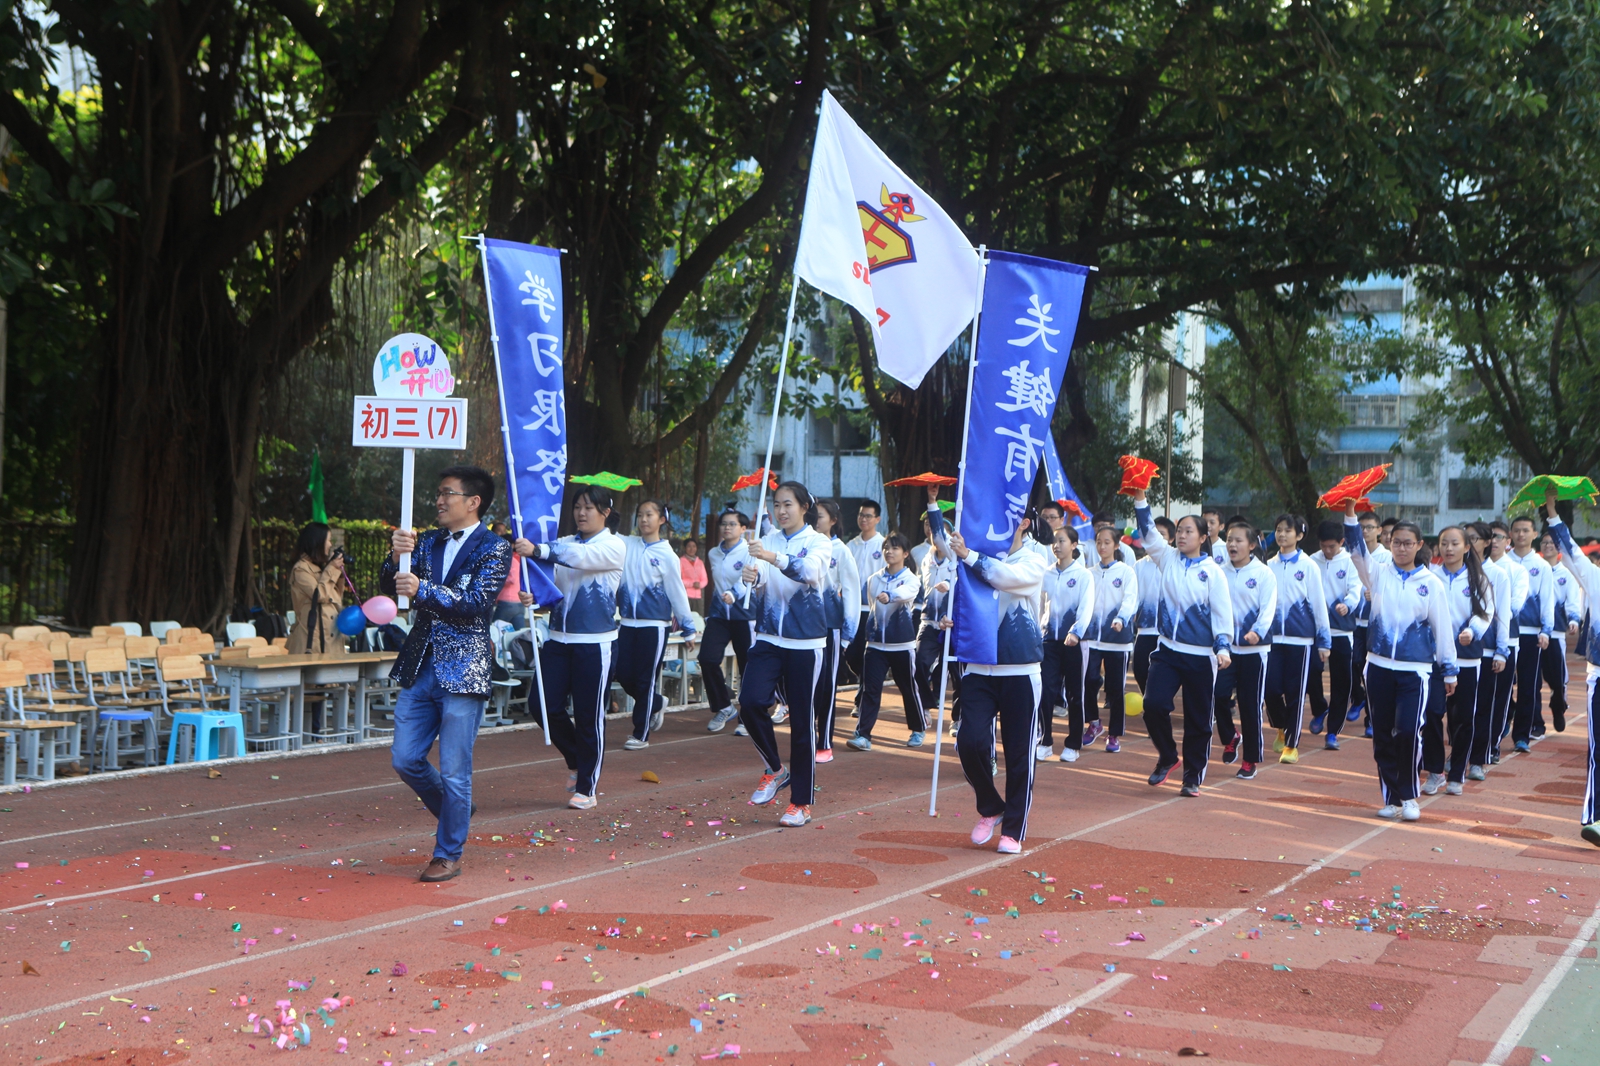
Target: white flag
[(872, 238)]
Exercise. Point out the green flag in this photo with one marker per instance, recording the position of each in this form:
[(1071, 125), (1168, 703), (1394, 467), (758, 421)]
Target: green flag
[(319, 510)]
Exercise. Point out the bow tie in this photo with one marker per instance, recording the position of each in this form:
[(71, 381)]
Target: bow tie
[(458, 534)]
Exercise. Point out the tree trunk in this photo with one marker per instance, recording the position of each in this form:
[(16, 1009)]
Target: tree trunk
[(701, 447)]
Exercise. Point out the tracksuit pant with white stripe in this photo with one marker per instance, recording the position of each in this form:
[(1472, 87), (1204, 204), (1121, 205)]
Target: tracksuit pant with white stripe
[(1061, 678), (931, 673), (580, 671), (1196, 676), (1591, 804), (1553, 664), (1398, 699), (796, 671), (721, 632), (1529, 656), (1144, 646), (1500, 724), (1287, 667), (1337, 702), (1247, 676), (1014, 700), (827, 694), (1483, 712), (1358, 667), (640, 650), (902, 664), (1114, 666), (1453, 716)]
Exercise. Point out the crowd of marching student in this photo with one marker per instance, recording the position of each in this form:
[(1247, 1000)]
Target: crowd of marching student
[(1438, 651)]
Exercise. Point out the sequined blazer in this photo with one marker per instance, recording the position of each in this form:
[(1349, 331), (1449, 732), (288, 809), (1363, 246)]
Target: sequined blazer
[(451, 617)]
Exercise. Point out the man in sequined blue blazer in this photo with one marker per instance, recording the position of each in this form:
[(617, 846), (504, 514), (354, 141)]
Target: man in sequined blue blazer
[(443, 669)]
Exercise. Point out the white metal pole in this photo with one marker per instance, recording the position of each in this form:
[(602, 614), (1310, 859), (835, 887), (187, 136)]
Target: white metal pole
[(408, 489), (511, 487), (961, 490), (777, 401)]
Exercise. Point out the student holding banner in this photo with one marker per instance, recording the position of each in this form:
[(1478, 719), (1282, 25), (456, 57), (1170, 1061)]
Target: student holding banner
[(1148, 576)]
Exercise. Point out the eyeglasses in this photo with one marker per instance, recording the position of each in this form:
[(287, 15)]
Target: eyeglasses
[(445, 494)]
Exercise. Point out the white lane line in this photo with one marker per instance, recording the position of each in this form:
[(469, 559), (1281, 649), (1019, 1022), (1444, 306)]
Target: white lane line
[(439, 912), (1518, 1027)]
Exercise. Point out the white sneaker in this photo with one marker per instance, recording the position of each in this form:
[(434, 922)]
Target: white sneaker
[(779, 713), (1069, 754), (1389, 811), (1410, 811), (740, 731), (1044, 752), (795, 816), (1433, 784), (721, 719), (915, 740), (769, 785), (580, 802), (1453, 788), (572, 781), (1476, 773), (658, 719), (634, 744)]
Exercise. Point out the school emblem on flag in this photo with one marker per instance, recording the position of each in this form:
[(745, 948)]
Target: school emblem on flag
[(887, 243)]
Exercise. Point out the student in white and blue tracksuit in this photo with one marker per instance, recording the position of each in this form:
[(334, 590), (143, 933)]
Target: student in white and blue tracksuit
[(728, 620), (1517, 574), (1195, 620), (938, 573), (1496, 648), (1301, 632), (1007, 690), (1110, 637), (576, 660), (1377, 555), (1470, 595), (1341, 589), (788, 572), (1583, 568), (1253, 592), (1148, 577), (1535, 625), (650, 599), (1569, 609), (1069, 606), (891, 643), (841, 596), (1410, 631)]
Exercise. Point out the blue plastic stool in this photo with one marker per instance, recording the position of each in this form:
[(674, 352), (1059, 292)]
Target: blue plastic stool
[(111, 750), (208, 727)]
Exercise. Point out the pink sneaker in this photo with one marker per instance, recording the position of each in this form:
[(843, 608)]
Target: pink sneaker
[(983, 832), (1009, 846), (1091, 732), (826, 755), (1113, 744)]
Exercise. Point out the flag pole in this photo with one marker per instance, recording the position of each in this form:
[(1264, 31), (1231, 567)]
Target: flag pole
[(511, 484), (777, 401), (961, 489)]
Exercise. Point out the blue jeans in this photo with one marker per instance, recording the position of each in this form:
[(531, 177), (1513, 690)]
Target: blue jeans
[(425, 712)]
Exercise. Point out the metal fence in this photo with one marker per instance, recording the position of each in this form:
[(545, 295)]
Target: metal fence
[(365, 551)]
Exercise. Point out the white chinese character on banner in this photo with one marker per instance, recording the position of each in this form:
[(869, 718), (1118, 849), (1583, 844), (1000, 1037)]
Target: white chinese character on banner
[(1016, 506), (550, 524), (1028, 390), (554, 466), (540, 295), (545, 346), (1036, 318), (1022, 454), (547, 407)]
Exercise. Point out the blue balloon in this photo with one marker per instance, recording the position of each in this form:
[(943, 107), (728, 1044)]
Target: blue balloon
[(352, 621)]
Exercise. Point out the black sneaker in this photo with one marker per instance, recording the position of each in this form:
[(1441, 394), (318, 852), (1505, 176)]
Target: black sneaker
[(1230, 751), (1190, 789), (1161, 773), (1247, 771), (1558, 718)]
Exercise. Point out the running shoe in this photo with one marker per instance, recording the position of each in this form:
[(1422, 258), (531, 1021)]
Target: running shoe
[(1113, 745), (796, 815), (1331, 743), (768, 788), (580, 802), (721, 719), (658, 719), (1290, 755), (1230, 752), (1591, 833), (572, 781), (1092, 732), (1390, 811), (915, 740), (1433, 784), (1317, 721), (1282, 741), (1069, 754), (983, 832), (740, 731), (780, 713), (1494, 758), (1522, 746), (1190, 789), (1368, 731), (1454, 788), (1410, 811), (634, 744), (1161, 773), (1043, 752), (860, 743), (1558, 718), (825, 755), (1476, 773), (1247, 771), (1354, 713), (1007, 846)]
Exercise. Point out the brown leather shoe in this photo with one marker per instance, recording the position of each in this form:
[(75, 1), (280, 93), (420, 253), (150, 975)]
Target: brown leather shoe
[(440, 870)]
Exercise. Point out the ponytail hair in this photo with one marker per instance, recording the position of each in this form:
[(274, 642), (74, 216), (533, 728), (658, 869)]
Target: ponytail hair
[(803, 497), (661, 508), (1294, 522), (834, 516)]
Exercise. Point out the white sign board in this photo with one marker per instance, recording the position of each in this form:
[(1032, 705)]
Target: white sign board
[(411, 366), (382, 422)]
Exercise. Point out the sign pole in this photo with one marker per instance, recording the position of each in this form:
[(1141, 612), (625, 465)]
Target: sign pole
[(961, 486), (408, 491), (777, 401)]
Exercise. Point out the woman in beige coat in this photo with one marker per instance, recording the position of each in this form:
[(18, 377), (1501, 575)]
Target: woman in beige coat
[(316, 590)]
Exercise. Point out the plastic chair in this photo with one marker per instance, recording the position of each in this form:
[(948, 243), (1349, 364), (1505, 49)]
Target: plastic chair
[(237, 630), (159, 630), (109, 742), (132, 629), (208, 727)]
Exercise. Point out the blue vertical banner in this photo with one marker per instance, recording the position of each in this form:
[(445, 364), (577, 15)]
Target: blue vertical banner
[(1029, 317), (1061, 491), (523, 282)]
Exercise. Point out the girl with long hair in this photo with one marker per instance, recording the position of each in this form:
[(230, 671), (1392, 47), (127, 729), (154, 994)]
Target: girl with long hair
[(1472, 610), (1253, 592), (316, 589)]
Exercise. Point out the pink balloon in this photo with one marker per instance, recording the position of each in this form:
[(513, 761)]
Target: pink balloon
[(380, 610)]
